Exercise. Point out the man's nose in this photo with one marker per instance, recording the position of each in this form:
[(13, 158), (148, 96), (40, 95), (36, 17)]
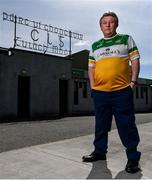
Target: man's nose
[(108, 24)]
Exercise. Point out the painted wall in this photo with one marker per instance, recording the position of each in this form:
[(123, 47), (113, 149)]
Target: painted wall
[(44, 71)]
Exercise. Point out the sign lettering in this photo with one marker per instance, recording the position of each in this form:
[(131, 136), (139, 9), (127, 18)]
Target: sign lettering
[(36, 36)]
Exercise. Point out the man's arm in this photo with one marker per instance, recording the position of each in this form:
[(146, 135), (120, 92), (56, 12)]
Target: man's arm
[(135, 68), (91, 76)]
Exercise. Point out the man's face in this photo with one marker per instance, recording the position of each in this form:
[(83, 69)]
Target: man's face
[(108, 26)]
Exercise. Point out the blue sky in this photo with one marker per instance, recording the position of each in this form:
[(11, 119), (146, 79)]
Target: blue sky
[(82, 16)]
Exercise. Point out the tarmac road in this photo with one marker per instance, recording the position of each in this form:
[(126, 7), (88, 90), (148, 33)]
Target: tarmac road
[(23, 134)]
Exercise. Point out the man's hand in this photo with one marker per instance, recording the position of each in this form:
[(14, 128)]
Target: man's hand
[(132, 85)]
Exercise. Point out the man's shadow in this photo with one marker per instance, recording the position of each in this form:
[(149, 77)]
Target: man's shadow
[(100, 171), (124, 175)]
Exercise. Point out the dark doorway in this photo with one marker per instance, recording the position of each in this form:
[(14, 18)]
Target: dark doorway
[(63, 97), (76, 92), (146, 92), (23, 96)]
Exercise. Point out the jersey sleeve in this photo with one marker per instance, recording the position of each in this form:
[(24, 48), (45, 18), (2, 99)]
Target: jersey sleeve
[(133, 50), (91, 60)]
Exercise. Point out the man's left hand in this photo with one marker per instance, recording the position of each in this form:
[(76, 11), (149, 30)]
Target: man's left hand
[(132, 85)]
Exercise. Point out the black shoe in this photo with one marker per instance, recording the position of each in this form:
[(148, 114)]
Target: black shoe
[(93, 157), (132, 166)]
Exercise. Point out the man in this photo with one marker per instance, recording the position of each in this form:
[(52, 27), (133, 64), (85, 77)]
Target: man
[(112, 82)]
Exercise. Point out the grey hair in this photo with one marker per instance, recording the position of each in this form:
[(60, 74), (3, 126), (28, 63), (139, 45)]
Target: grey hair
[(110, 14)]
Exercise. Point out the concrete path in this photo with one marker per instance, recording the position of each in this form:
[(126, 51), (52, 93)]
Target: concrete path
[(62, 159)]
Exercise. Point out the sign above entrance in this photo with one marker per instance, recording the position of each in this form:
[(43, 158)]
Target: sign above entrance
[(39, 36)]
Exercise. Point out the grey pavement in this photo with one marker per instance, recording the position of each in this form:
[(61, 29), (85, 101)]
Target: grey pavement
[(62, 159)]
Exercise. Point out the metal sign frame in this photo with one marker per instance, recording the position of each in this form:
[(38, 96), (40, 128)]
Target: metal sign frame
[(48, 47)]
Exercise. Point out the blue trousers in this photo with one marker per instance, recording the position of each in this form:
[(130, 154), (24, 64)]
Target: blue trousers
[(120, 104)]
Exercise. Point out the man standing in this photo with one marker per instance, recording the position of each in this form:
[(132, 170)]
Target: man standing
[(112, 81)]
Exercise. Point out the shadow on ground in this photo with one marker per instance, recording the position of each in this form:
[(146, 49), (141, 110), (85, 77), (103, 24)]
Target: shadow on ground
[(100, 171)]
